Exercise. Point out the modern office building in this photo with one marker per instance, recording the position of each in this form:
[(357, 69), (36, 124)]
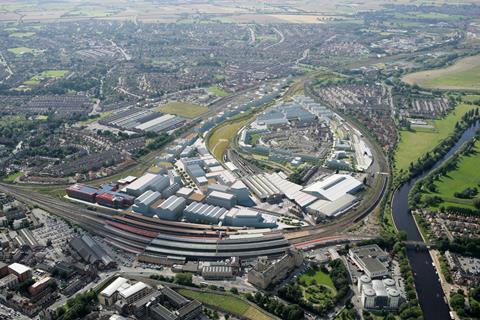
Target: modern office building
[(379, 294), (371, 260)]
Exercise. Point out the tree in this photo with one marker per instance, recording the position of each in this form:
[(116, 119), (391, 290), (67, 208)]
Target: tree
[(184, 279)]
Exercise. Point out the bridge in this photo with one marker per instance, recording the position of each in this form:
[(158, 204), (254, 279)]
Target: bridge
[(418, 245)]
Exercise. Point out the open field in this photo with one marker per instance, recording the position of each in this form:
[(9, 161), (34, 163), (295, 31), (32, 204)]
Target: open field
[(35, 80), (21, 50), (22, 34), (218, 91), (463, 75), (183, 109), (415, 143), (228, 303), (222, 135), (466, 175)]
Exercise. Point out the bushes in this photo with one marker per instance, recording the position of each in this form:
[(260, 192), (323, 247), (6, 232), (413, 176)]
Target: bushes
[(272, 305), (77, 307)]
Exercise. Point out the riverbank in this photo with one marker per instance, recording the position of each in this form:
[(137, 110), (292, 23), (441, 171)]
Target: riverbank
[(430, 291)]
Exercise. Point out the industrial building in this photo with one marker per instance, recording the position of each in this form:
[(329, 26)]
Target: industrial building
[(114, 199), (203, 213), (82, 192), (263, 188), (222, 199), (244, 217), (335, 193), (148, 181), (379, 294), (371, 260), (171, 208), (143, 203), (163, 123), (217, 272), (91, 252)]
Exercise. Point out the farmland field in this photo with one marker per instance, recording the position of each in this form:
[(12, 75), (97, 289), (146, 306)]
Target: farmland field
[(228, 303), (415, 143), (183, 109), (463, 75), (465, 175)]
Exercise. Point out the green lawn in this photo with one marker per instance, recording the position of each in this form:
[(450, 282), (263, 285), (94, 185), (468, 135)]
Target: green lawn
[(183, 109), (464, 74), (317, 287), (35, 80), (21, 50), (320, 277), (227, 303), (219, 140), (467, 174), (413, 144), (471, 98), (12, 176), (218, 91), (22, 34)]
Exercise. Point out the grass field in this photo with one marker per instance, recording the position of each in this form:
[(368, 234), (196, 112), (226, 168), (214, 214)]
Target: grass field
[(463, 75), (12, 176), (320, 278), (413, 144), (464, 176), (35, 80), (222, 135), (227, 303), (218, 91), (22, 34), (21, 50), (183, 109), (471, 97)]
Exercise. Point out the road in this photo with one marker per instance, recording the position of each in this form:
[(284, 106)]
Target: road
[(280, 41)]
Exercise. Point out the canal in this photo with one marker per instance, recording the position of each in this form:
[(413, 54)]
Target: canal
[(427, 282)]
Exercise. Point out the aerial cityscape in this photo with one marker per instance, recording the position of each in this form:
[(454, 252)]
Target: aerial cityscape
[(239, 159)]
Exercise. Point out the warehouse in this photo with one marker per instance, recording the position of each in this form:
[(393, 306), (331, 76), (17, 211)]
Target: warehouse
[(204, 213), (217, 272), (222, 199), (194, 170), (328, 209), (334, 187), (143, 203), (164, 123), (148, 181), (185, 192), (261, 186), (114, 199), (244, 217), (170, 209), (240, 190), (82, 192)]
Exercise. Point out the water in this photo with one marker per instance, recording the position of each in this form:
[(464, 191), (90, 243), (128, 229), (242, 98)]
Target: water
[(430, 294)]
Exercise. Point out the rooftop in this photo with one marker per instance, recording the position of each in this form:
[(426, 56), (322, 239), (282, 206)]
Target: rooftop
[(19, 268)]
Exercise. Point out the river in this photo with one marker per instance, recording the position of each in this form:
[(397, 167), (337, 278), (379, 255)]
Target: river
[(427, 282)]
